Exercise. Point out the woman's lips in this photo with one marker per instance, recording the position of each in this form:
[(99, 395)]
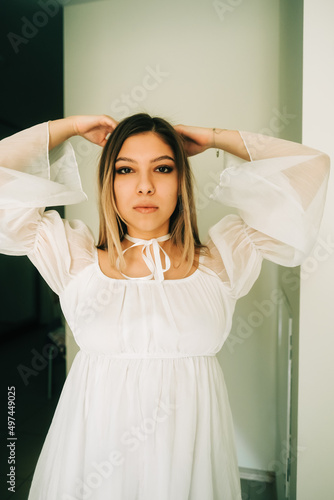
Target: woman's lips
[(146, 210)]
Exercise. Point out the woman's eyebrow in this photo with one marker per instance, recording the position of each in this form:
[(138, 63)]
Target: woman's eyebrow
[(123, 158), (164, 157)]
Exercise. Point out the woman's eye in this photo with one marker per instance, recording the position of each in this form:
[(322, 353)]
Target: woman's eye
[(120, 170), (166, 170)]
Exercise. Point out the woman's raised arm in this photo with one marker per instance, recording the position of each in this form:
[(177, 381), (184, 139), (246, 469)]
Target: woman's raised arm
[(198, 139), (94, 128)]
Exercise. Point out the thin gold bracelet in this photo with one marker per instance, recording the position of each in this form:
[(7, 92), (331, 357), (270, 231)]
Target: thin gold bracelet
[(214, 142)]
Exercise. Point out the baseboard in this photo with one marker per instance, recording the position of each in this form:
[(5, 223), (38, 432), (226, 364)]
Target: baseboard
[(263, 476)]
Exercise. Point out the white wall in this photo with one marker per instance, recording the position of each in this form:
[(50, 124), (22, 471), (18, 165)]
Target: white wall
[(316, 367), (202, 63)]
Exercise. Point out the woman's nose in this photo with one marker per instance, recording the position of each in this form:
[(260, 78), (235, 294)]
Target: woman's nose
[(145, 185)]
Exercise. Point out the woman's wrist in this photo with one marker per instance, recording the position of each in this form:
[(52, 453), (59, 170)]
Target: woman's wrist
[(215, 133), (229, 141), (61, 130)]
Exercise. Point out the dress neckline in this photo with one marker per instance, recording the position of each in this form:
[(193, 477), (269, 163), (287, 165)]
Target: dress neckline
[(138, 280), (154, 264)]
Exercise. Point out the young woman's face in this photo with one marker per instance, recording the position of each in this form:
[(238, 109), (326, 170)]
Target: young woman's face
[(146, 185)]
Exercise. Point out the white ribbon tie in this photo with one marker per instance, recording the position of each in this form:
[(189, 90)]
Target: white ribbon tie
[(155, 266)]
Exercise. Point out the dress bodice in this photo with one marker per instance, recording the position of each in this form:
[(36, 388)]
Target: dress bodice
[(181, 317)]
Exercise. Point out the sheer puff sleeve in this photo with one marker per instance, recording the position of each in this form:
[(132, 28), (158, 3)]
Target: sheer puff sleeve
[(31, 179), (279, 196)]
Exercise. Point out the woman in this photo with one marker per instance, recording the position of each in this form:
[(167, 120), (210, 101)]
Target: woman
[(144, 412)]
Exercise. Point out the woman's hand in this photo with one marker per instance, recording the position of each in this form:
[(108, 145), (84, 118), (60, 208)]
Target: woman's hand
[(196, 139), (94, 128)]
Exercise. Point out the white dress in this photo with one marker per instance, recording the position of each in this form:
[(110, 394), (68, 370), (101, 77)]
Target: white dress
[(144, 412)]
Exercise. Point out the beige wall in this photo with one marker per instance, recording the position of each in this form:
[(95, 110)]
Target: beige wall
[(202, 63), (316, 367)]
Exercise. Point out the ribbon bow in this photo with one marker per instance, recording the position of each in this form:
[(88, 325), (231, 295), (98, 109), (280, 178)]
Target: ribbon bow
[(155, 266)]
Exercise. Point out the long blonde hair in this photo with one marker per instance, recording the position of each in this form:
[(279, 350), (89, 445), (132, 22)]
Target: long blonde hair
[(183, 222)]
